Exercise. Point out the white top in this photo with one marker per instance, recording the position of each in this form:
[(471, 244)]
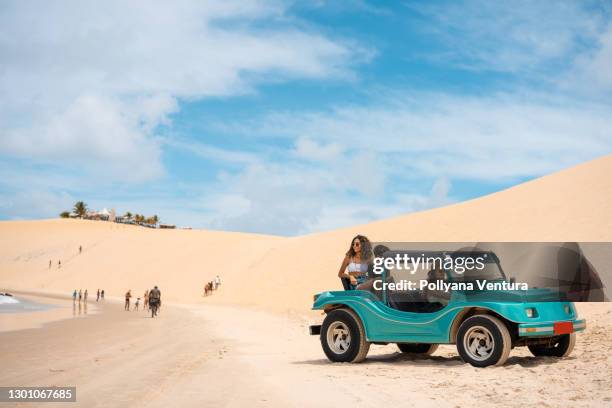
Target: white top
[(357, 267)]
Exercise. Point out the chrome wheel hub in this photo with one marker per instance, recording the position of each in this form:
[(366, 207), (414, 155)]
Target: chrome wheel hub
[(338, 337), (479, 343)]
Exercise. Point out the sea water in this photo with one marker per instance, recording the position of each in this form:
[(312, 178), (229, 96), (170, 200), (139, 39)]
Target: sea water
[(11, 304)]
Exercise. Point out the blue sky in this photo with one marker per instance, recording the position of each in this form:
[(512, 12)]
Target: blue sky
[(294, 117)]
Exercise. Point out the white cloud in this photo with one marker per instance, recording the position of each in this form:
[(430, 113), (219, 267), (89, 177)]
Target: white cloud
[(601, 65), (350, 213), (309, 149), (186, 49), (90, 83), (212, 153), (512, 36), (391, 149), (592, 72), (295, 197), (95, 134), (507, 136)]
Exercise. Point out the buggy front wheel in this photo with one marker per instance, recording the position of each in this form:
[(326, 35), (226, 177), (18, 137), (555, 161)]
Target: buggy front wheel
[(343, 337)]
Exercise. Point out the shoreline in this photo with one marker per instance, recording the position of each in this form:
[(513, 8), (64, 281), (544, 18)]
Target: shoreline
[(301, 315), (57, 308), (38, 319)]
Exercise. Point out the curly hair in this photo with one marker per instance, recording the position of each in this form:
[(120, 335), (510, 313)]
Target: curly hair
[(366, 248)]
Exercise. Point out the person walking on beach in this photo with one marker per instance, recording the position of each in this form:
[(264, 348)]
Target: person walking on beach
[(80, 295), (145, 305), (59, 264), (154, 300), (50, 263), (80, 249), (74, 295), (85, 297), (98, 295), (128, 295), (136, 304), (102, 294), (217, 282)]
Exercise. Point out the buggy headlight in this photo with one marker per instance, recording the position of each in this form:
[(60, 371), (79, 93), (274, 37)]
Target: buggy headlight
[(531, 312), (567, 309)]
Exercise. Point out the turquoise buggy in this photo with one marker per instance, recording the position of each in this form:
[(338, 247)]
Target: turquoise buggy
[(485, 325)]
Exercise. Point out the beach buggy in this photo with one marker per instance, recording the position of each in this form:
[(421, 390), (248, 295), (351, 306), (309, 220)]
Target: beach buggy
[(484, 324)]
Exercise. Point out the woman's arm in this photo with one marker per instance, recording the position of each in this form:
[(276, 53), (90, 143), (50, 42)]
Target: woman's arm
[(345, 263), (342, 274)]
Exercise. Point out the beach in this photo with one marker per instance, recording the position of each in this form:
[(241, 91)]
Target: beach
[(231, 356), (333, 204), (248, 344)]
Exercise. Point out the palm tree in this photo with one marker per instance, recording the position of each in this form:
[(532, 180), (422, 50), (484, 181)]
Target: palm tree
[(128, 216), (65, 214), (80, 209), (155, 219)]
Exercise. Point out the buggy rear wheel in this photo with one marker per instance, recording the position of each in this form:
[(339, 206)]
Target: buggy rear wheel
[(561, 346), (343, 337), (417, 348)]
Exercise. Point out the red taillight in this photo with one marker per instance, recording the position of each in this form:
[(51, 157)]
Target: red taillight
[(563, 328)]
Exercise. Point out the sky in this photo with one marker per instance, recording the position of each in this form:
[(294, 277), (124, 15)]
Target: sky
[(291, 117)]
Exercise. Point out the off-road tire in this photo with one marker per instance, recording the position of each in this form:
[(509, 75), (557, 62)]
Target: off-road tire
[(344, 320), (561, 347), (500, 342), (418, 348)]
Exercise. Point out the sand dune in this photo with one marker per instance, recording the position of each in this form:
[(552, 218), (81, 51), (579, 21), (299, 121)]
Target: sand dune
[(278, 273)]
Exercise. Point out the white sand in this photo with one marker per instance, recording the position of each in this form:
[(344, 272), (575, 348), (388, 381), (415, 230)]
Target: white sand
[(209, 356)]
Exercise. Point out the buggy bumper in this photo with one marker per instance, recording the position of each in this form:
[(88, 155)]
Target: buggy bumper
[(551, 328)]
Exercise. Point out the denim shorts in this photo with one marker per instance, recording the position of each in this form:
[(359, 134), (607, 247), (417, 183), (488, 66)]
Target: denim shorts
[(360, 280)]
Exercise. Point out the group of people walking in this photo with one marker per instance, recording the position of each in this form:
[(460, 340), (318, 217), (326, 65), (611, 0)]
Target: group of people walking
[(152, 298), (82, 296), (212, 285)]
